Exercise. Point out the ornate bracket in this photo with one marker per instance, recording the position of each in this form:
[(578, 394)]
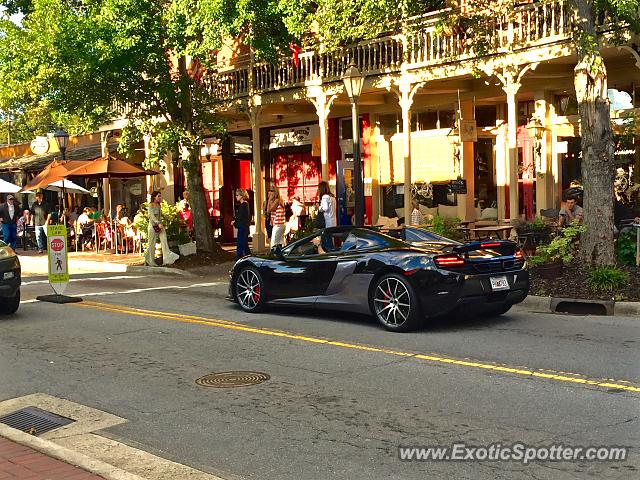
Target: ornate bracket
[(510, 75)]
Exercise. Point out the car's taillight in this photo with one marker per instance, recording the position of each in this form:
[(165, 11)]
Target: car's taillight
[(518, 255), (449, 261), (490, 245)]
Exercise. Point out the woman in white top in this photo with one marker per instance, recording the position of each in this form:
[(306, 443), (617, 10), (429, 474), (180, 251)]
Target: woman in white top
[(328, 205)]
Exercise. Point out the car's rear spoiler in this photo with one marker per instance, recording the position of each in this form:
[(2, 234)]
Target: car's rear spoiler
[(506, 246)]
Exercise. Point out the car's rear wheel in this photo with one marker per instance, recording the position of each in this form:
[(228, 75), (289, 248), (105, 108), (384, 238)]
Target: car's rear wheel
[(395, 303), (10, 305), (249, 290)]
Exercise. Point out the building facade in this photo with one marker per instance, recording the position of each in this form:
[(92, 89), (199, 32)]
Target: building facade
[(504, 121)]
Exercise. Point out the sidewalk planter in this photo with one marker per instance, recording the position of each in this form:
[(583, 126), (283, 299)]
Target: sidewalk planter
[(187, 249)]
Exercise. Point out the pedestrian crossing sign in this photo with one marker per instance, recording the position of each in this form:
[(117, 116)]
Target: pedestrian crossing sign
[(58, 261)]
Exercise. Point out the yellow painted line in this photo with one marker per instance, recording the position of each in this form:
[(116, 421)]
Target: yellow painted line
[(567, 377)]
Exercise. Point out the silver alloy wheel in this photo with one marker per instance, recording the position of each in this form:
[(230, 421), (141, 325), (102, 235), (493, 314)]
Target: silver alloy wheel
[(392, 302), (248, 289)]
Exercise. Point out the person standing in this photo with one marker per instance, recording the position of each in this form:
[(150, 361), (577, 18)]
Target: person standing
[(241, 221), (275, 208), (266, 213), (157, 229), (41, 217), (9, 218), (327, 204)]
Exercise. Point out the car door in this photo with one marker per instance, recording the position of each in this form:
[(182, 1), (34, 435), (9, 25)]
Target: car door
[(299, 274)]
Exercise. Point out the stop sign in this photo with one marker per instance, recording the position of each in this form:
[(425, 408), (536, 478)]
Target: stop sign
[(57, 244)]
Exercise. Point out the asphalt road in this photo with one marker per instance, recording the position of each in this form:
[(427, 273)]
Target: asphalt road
[(343, 393)]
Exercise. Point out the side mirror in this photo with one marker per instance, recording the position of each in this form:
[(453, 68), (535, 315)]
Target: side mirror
[(277, 251)]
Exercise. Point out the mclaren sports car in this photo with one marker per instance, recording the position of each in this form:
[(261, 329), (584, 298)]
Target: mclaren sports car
[(400, 278)]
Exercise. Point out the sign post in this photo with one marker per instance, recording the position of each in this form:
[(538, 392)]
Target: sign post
[(58, 265)]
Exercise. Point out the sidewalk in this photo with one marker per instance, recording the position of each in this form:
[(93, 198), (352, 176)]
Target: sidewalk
[(35, 264), (24, 463)]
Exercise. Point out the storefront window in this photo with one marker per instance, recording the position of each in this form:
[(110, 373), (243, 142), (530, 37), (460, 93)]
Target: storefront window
[(486, 116), (421, 121)]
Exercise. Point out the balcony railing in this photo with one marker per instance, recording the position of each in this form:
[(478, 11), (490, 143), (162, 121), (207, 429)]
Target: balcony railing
[(423, 44)]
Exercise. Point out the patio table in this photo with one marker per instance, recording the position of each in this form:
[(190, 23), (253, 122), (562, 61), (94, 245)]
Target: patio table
[(485, 232)]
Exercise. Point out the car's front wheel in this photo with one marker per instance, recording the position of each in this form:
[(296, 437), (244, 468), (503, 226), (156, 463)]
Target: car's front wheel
[(395, 303), (249, 290), (10, 305)]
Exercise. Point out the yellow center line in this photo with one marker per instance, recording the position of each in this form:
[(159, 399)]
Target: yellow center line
[(568, 377)]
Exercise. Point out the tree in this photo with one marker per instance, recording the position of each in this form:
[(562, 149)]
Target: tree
[(597, 243), (83, 57)]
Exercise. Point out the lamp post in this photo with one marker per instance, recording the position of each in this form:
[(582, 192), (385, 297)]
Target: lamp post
[(353, 80), (62, 138)]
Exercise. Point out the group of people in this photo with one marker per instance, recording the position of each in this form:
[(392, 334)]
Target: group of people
[(277, 223), (14, 220)]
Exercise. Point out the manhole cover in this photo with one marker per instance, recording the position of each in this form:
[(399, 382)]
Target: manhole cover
[(34, 421), (232, 379)]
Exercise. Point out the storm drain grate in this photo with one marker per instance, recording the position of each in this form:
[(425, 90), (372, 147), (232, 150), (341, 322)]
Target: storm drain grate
[(34, 421), (232, 379)]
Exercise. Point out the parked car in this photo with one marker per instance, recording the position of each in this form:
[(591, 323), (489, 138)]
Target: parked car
[(400, 281), (9, 280)]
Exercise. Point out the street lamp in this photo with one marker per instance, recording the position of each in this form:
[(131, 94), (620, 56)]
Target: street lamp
[(353, 80), (209, 149), (62, 138)]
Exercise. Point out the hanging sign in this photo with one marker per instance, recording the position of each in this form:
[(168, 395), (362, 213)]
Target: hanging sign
[(58, 261), (40, 145), (468, 131)]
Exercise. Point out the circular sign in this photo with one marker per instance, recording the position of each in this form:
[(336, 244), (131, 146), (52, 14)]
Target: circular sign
[(135, 189), (40, 145), (57, 244)]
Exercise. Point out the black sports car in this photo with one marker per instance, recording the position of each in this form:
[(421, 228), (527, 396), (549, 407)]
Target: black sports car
[(398, 280), (9, 279)]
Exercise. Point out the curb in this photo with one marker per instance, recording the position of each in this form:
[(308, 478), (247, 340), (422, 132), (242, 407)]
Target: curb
[(97, 467), (549, 304), (158, 270)]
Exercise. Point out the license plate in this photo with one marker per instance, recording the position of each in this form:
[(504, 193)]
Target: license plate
[(499, 283), (8, 275)]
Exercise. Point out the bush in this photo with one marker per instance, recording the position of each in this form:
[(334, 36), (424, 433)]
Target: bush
[(170, 220), (606, 278), (445, 226), (563, 248), (626, 248)]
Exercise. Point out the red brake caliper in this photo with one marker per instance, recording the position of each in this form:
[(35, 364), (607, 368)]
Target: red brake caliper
[(256, 294)]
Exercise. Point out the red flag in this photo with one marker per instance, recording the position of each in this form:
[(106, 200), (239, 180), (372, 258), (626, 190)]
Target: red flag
[(295, 51)]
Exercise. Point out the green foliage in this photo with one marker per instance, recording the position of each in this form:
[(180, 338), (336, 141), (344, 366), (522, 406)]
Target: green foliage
[(170, 220), (445, 226), (562, 248), (307, 229), (606, 278), (626, 248)]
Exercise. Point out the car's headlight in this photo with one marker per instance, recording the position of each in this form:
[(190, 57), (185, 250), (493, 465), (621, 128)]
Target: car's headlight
[(6, 252)]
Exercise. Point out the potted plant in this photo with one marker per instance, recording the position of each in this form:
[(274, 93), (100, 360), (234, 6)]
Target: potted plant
[(550, 259), (533, 234)]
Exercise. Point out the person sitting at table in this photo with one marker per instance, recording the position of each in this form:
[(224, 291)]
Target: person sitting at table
[(570, 212), (622, 215), (86, 228)]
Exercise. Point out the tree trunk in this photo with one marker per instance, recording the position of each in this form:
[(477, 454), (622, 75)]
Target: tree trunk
[(198, 203), (597, 243)]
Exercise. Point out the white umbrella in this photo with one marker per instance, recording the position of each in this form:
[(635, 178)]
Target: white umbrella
[(66, 186), (6, 187)]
